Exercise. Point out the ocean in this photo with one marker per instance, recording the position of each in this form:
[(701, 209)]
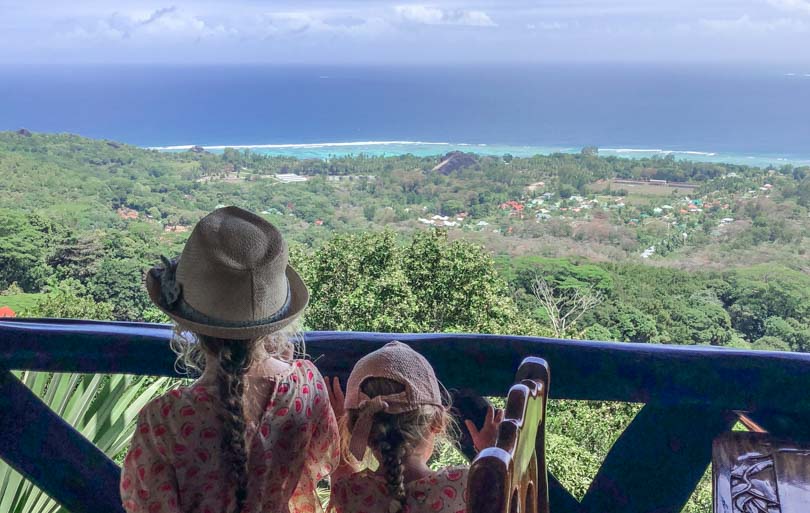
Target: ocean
[(756, 116)]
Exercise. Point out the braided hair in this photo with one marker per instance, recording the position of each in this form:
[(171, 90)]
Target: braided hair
[(235, 358), (391, 444), (393, 435)]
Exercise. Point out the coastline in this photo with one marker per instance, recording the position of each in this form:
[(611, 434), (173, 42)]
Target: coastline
[(326, 150)]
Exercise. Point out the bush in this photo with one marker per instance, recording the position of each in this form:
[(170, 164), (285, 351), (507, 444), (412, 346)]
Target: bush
[(69, 300)]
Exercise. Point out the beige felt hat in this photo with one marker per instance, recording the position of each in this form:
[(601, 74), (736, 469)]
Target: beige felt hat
[(232, 280)]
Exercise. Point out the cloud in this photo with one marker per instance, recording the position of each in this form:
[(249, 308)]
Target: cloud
[(344, 21), (428, 15), (547, 25), (155, 16), (288, 22), (364, 31), (746, 25), (792, 5), (279, 24), (163, 23)]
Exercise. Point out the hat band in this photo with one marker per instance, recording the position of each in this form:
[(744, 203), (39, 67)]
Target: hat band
[(186, 311)]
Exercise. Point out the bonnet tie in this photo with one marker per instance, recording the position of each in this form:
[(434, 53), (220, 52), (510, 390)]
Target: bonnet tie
[(362, 428)]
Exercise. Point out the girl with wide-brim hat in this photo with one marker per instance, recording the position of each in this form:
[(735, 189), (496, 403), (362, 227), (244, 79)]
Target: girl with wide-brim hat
[(255, 432)]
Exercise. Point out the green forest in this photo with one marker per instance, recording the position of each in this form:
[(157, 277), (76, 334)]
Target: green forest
[(81, 219), (565, 245)]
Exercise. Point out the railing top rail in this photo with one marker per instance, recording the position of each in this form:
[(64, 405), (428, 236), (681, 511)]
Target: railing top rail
[(727, 378)]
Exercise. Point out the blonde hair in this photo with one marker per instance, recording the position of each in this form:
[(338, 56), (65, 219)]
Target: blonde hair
[(234, 358), (285, 345), (394, 435)]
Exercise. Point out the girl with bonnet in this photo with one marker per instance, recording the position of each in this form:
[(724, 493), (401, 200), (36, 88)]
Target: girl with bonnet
[(255, 433), (394, 410)]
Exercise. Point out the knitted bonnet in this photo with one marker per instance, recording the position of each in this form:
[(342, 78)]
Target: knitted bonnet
[(397, 362)]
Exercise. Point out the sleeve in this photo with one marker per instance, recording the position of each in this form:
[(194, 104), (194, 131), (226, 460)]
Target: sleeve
[(148, 482), (323, 450)]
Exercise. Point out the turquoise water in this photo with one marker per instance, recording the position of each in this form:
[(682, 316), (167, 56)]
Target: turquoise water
[(748, 115), (426, 149)]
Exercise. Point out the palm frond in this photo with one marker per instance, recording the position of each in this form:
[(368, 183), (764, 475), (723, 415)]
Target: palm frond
[(102, 408)]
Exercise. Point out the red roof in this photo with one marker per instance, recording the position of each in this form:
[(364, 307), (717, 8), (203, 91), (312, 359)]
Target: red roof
[(513, 205), (7, 312)]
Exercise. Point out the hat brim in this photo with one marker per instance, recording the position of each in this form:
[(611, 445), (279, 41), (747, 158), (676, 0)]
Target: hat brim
[(299, 298)]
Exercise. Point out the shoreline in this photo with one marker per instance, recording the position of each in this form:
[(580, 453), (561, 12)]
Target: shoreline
[(327, 150)]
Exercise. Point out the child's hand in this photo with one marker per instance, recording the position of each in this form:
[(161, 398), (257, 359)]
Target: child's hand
[(488, 434), (336, 397)]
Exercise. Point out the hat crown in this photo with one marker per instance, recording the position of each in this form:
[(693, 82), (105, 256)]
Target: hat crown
[(237, 239), (398, 362), (233, 267)]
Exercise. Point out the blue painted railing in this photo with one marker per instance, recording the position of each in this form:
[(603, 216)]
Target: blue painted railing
[(691, 394)]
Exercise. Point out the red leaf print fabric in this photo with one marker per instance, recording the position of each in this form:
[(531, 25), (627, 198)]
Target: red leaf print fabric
[(174, 463), (441, 491)]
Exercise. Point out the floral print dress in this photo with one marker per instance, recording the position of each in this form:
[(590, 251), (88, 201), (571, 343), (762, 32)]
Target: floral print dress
[(174, 464), (442, 491)]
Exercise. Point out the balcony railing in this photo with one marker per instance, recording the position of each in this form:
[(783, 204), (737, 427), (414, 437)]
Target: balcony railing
[(691, 396)]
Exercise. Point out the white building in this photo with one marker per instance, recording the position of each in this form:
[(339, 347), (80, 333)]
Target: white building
[(290, 178)]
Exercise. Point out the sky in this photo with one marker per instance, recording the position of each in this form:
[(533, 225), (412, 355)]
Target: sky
[(383, 32)]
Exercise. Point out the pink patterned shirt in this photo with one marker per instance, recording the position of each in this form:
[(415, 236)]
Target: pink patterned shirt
[(443, 491), (174, 463)]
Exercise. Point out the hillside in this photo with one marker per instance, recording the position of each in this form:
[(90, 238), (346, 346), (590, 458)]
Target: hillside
[(93, 214)]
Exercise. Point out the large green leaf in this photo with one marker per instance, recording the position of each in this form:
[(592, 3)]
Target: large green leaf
[(102, 408)]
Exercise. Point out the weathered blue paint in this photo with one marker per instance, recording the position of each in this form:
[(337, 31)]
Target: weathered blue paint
[(726, 378), (708, 382), (658, 460)]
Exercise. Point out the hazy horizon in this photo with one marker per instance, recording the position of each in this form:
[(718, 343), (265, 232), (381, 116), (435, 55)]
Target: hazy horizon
[(754, 32)]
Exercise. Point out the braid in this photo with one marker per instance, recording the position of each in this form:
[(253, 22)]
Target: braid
[(234, 359), (391, 444), (393, 435)]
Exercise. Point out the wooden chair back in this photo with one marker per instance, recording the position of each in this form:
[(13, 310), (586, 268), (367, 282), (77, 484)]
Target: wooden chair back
[(511, 477), (760, 473)]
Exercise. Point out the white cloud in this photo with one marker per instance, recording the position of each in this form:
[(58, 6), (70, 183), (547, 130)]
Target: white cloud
[(190, 25), (547, 25), (428, 15), (320, 22), (746, 25), (792, 5), (164, 23), (364, 31), (288, 22)]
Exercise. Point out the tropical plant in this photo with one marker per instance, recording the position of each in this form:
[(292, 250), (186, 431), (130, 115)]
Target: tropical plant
[(102, 408)]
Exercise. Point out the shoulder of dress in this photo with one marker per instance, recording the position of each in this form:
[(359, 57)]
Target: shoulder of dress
[(308, 369), (454, 473), (161, 406), (156, 403), (303, 363), (358, 478), (150, 412)]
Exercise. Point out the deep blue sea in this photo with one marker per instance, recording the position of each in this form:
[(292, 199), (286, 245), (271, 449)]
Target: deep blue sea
[(745, 115)]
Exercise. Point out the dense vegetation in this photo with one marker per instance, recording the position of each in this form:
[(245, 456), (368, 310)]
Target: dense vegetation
[(551, 245), (83, 218)]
